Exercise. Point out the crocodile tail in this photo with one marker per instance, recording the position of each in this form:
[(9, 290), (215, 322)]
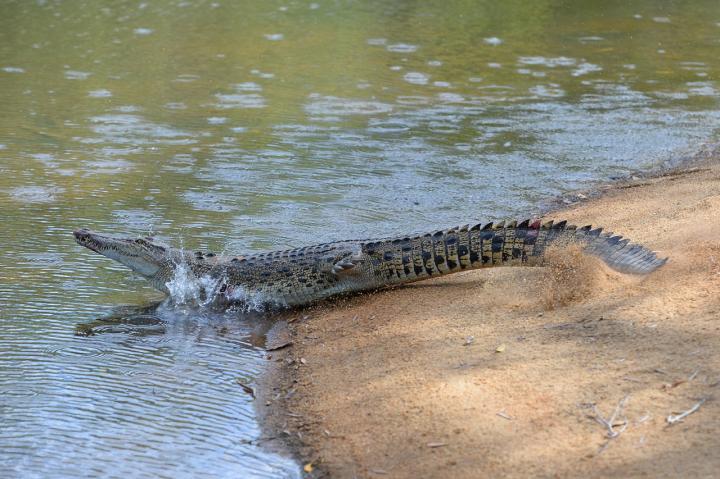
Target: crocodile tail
[(501, 244), (508, 244), (618, 253)]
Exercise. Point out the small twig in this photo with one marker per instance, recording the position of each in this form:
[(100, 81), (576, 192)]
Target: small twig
[(672, 419), (609, 424), (644, 418), (247, 389)]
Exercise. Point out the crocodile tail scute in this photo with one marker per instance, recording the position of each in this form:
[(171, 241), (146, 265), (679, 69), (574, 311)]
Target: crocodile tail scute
[(617, 252)]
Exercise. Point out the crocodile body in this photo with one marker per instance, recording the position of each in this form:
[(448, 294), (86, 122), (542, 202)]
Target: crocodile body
[(300, 276)]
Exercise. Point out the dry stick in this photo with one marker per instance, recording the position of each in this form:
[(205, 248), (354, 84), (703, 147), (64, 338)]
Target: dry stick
[(671, 419), (609, 423), (612, 433)]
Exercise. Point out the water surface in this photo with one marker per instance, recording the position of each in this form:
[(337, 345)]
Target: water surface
[(253, 125)]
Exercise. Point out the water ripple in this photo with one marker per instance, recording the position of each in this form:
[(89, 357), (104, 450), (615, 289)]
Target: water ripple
[(162, 396), (240, 100), (320, 105), (134, 129)]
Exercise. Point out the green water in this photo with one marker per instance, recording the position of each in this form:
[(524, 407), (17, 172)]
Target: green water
[(244, 126)]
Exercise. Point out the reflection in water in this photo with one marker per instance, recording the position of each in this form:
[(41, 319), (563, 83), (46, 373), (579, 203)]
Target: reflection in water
[(138, 321), (152, 319), (243, 126), (163, 381)]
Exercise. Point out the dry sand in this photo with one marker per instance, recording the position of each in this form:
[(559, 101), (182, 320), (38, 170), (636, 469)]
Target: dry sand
[(506, 372)]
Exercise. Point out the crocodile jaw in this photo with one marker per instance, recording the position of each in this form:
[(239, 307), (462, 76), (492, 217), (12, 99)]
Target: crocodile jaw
[(143, 255)]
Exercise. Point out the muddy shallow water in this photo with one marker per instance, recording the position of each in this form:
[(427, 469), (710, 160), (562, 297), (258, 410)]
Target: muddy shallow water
[(253, 125)]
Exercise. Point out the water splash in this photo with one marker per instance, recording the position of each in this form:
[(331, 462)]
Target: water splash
[(251, 301), (188, 289)]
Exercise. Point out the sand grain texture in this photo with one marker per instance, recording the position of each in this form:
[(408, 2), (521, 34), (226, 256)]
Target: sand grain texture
[(409, 382)]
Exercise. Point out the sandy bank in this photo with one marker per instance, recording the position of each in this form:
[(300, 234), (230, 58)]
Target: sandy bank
[(504, 372)]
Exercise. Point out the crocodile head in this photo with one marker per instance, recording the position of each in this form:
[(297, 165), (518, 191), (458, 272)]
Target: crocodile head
[(146, 256)]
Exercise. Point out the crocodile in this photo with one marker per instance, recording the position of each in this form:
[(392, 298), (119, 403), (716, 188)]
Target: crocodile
[(300, 276)]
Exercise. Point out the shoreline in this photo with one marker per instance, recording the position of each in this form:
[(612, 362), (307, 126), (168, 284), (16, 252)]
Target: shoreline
[(500, 370)]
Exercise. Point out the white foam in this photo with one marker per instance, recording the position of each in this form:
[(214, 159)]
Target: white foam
[(187, 289), (249, 300)]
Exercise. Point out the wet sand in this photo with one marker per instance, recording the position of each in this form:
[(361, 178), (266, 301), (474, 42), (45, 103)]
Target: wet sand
[(510, 372)]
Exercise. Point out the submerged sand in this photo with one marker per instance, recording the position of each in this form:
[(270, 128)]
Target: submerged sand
[(510, 372)]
